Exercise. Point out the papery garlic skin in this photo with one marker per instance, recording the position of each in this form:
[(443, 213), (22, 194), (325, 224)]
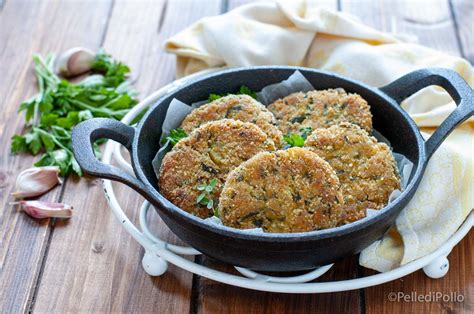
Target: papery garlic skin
[(41, 209), (75, 61), (36, 181)]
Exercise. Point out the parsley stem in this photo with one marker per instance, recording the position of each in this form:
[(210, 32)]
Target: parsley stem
[(39, 97), (101, 110), (46, 70), (52, 138)]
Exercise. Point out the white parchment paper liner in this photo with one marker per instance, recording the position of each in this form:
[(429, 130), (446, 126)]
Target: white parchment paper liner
[(296, 82)]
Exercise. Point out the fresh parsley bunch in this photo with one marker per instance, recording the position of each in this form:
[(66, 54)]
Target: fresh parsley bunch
[(243, 90), (60, 105), (174, 136)]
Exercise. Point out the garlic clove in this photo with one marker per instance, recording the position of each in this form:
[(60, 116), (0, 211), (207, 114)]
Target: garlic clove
[(36, 181), (41, 209), (75, 61)]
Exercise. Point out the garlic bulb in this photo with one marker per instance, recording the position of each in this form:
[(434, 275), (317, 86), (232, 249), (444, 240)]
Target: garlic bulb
[(36, 181), (40, 209), (75, 61)]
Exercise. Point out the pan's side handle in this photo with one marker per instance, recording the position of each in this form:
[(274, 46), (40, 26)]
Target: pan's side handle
[(452, 82), (83, 137)]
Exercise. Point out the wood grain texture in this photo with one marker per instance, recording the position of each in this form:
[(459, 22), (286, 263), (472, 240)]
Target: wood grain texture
[(232, 4), (458, 280), (214, 297), (463, 12), (95, 259), (23, 241), (430, 21)]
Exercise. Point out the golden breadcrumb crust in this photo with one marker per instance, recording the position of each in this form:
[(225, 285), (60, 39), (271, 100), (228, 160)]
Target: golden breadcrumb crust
[(209, 152), (366, 169), (290, 190), (238, 107), (320, 109)]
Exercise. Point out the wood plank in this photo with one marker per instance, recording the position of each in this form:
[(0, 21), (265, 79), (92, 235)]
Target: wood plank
[(458, 281), (434, 27), (463, 11), (98, 262), (25, 28), (213, 297), (430, 21), (142, 48), (232, 4)]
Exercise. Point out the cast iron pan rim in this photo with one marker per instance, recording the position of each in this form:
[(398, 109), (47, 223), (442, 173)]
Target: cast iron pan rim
[(281, 237)]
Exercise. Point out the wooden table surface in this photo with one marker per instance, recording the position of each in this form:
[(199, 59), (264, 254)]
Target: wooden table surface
[(89, 263)]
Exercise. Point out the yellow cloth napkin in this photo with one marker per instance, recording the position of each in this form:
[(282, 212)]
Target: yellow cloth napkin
[(301, 33)]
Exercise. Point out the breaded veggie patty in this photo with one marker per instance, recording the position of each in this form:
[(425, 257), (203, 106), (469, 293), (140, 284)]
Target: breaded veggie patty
[(366, 169), (238, 107), (208, 153), (320, 109), (290, 190)]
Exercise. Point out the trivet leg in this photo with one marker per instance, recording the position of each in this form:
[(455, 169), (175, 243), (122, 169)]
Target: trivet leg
[(437, 268), (153, 264)]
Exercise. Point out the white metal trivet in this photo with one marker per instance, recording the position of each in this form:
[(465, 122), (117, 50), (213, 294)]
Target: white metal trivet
[(159, 253)]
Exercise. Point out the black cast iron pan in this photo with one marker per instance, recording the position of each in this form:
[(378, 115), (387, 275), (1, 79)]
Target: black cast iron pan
[(270, 251)]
